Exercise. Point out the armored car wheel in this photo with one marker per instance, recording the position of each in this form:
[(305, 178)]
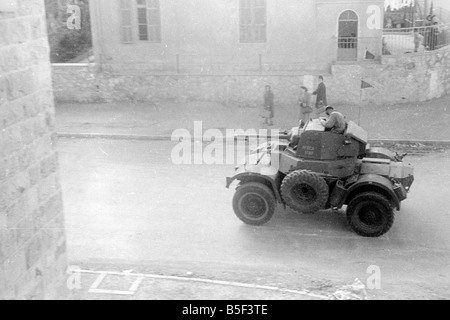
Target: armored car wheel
[(370, 214), (305, 191), (254, 203)]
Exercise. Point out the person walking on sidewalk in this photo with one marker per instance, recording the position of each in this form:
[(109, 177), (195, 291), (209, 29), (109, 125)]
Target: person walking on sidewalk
[(305, 106), (269, 112), (321, 94)]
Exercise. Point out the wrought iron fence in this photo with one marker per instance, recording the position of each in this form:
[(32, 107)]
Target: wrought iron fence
[(418, 39), (358, 49), (219, 64)]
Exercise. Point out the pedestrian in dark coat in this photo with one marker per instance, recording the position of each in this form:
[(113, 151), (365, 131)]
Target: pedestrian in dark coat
[(321, 94)]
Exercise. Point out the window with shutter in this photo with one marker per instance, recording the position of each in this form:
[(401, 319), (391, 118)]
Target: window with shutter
[(149, 20), (127, 26), (253, 21)]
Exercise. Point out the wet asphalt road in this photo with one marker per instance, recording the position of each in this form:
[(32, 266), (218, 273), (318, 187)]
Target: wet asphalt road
[(128, 206)]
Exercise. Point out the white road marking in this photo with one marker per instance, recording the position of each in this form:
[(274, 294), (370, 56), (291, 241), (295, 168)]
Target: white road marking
[(141, 277), (97, 281), (116, 292), (94, 287), (136, 284)]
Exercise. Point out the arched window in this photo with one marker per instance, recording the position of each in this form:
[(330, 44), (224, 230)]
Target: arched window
[(348, 36), (348, 15)]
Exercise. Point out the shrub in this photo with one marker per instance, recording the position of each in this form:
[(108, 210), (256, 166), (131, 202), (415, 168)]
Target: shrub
[(67, 44)]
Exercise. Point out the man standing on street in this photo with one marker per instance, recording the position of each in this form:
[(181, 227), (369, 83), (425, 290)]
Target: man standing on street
[(336, 122), (321, 94)]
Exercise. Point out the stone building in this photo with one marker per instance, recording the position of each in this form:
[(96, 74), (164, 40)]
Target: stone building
[(222, 36), (227, 50), (32, 237)]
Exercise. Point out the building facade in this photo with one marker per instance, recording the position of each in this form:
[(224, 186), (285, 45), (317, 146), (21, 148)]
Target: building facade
[(223, 36), (226, 51)]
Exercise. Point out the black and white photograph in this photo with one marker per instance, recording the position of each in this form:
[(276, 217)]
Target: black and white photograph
[(224, 155)]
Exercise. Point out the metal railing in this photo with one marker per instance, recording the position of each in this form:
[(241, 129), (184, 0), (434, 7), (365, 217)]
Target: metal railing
[(358, 49), (218, 64), (418, 39), (342, 49)]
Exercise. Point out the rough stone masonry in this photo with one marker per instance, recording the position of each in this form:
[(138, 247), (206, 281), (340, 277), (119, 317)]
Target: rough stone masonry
[(407, 78), (32, 238)]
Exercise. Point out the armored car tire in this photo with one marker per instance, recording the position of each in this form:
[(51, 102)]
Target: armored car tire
[(305, 191), (254, 203), (370, 214)]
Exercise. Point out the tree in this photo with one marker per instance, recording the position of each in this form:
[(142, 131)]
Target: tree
[(67, 44)]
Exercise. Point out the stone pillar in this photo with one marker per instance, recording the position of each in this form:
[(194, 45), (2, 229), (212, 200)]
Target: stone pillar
[(33, 258)]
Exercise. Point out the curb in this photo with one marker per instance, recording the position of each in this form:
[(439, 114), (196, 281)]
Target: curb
[(385, 142), (428, 143), (70, 135)]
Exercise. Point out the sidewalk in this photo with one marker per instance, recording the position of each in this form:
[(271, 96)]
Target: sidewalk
[(418, 122)]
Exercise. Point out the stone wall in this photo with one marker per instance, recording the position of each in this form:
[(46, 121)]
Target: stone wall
[(397, 79), (77, 83), (32, 237), (83, 84)]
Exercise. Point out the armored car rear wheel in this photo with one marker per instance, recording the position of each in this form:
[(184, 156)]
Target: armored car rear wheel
[(254, 203), (305, 191), (370, 214)]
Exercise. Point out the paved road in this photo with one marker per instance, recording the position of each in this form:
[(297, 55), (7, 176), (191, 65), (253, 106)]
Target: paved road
[(129, 207)]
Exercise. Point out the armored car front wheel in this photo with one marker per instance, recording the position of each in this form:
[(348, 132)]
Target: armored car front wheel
[(254, 203), (370, 214)]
